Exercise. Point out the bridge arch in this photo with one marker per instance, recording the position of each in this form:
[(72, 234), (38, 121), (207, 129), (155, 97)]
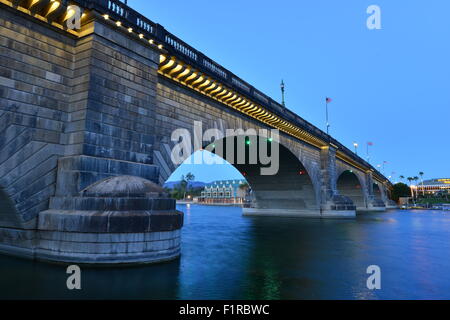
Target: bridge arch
[(349, 184), (292, 187), (378, 191)]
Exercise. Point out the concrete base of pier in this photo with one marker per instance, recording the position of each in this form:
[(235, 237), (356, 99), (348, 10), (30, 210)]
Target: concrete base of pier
[(91, 248), (325, 214), (119, 220), (371, 209)]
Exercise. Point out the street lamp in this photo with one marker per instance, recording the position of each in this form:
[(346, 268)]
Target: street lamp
[(356, 147)]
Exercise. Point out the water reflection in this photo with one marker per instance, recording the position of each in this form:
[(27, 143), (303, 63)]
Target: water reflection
[(227, 256)]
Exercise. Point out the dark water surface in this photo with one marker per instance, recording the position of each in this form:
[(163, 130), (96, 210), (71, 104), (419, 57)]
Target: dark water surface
[(227, 256)]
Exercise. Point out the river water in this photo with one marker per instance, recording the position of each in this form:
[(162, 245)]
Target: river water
[(228, 256)]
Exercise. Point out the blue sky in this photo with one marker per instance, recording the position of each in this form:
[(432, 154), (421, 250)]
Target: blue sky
[(389, 86)]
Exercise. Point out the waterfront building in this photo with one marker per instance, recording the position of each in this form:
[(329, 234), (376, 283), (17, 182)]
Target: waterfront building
[(225, 191), (434, 186)]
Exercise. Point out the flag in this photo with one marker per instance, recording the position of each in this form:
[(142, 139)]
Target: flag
[(328, 100), (370, 143)]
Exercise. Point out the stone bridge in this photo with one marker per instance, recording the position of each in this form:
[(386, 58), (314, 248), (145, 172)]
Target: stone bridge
[(86, 117)]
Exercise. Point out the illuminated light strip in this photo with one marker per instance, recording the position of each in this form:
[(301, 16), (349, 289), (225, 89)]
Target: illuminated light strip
[(199, 80), (176, 69), (202, 84), (218, 89), (185, 73), (237, 101), (242, 103), (46, 11), (245, 109), (211, 87), (219, 93), (191, 77)]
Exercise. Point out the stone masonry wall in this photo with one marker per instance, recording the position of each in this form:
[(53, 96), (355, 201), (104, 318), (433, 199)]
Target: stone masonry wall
[(36, 70)]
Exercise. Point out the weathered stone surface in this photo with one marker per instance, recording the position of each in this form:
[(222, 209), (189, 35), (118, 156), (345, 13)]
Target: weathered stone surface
[(129, 186)]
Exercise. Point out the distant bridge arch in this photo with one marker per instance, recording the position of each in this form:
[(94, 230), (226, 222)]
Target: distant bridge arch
[(351, 185), (293, 186)]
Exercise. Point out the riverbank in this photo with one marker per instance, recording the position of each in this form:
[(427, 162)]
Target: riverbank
[(443, 207)]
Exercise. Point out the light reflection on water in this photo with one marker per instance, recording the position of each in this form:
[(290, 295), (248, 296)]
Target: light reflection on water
[(227, 256)]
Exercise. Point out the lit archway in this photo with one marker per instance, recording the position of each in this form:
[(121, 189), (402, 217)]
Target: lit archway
[(290, 187), (377, 192)]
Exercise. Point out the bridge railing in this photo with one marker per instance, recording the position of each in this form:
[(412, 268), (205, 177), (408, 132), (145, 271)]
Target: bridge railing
[(183, 51)]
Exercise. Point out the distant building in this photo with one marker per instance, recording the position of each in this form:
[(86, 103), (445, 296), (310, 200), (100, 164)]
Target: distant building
[(225, 191), (434, 186)]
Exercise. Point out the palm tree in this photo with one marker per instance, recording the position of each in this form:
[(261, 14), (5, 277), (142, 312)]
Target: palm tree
[(402, 177), (186, 179), (415, 179), (245, 188), (412, 191), (421, 178)]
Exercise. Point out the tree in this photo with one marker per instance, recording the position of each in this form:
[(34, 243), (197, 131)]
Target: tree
[(185, 181), (400, 190), (245, 187), (421, 178), (410, 179), (415, 187), (402, 177)]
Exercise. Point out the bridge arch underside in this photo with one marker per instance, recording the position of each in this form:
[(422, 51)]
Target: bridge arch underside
[(287, 189), (350, 186), (377, 191)]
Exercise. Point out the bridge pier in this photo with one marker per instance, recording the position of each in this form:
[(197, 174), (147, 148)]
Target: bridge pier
[(120, 219)]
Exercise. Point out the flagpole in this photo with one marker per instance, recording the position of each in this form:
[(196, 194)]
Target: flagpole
[(326, 108), (368, 157)]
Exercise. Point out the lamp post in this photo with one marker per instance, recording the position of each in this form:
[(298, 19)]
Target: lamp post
[(356, 147), (282, 93), (327, 101)]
